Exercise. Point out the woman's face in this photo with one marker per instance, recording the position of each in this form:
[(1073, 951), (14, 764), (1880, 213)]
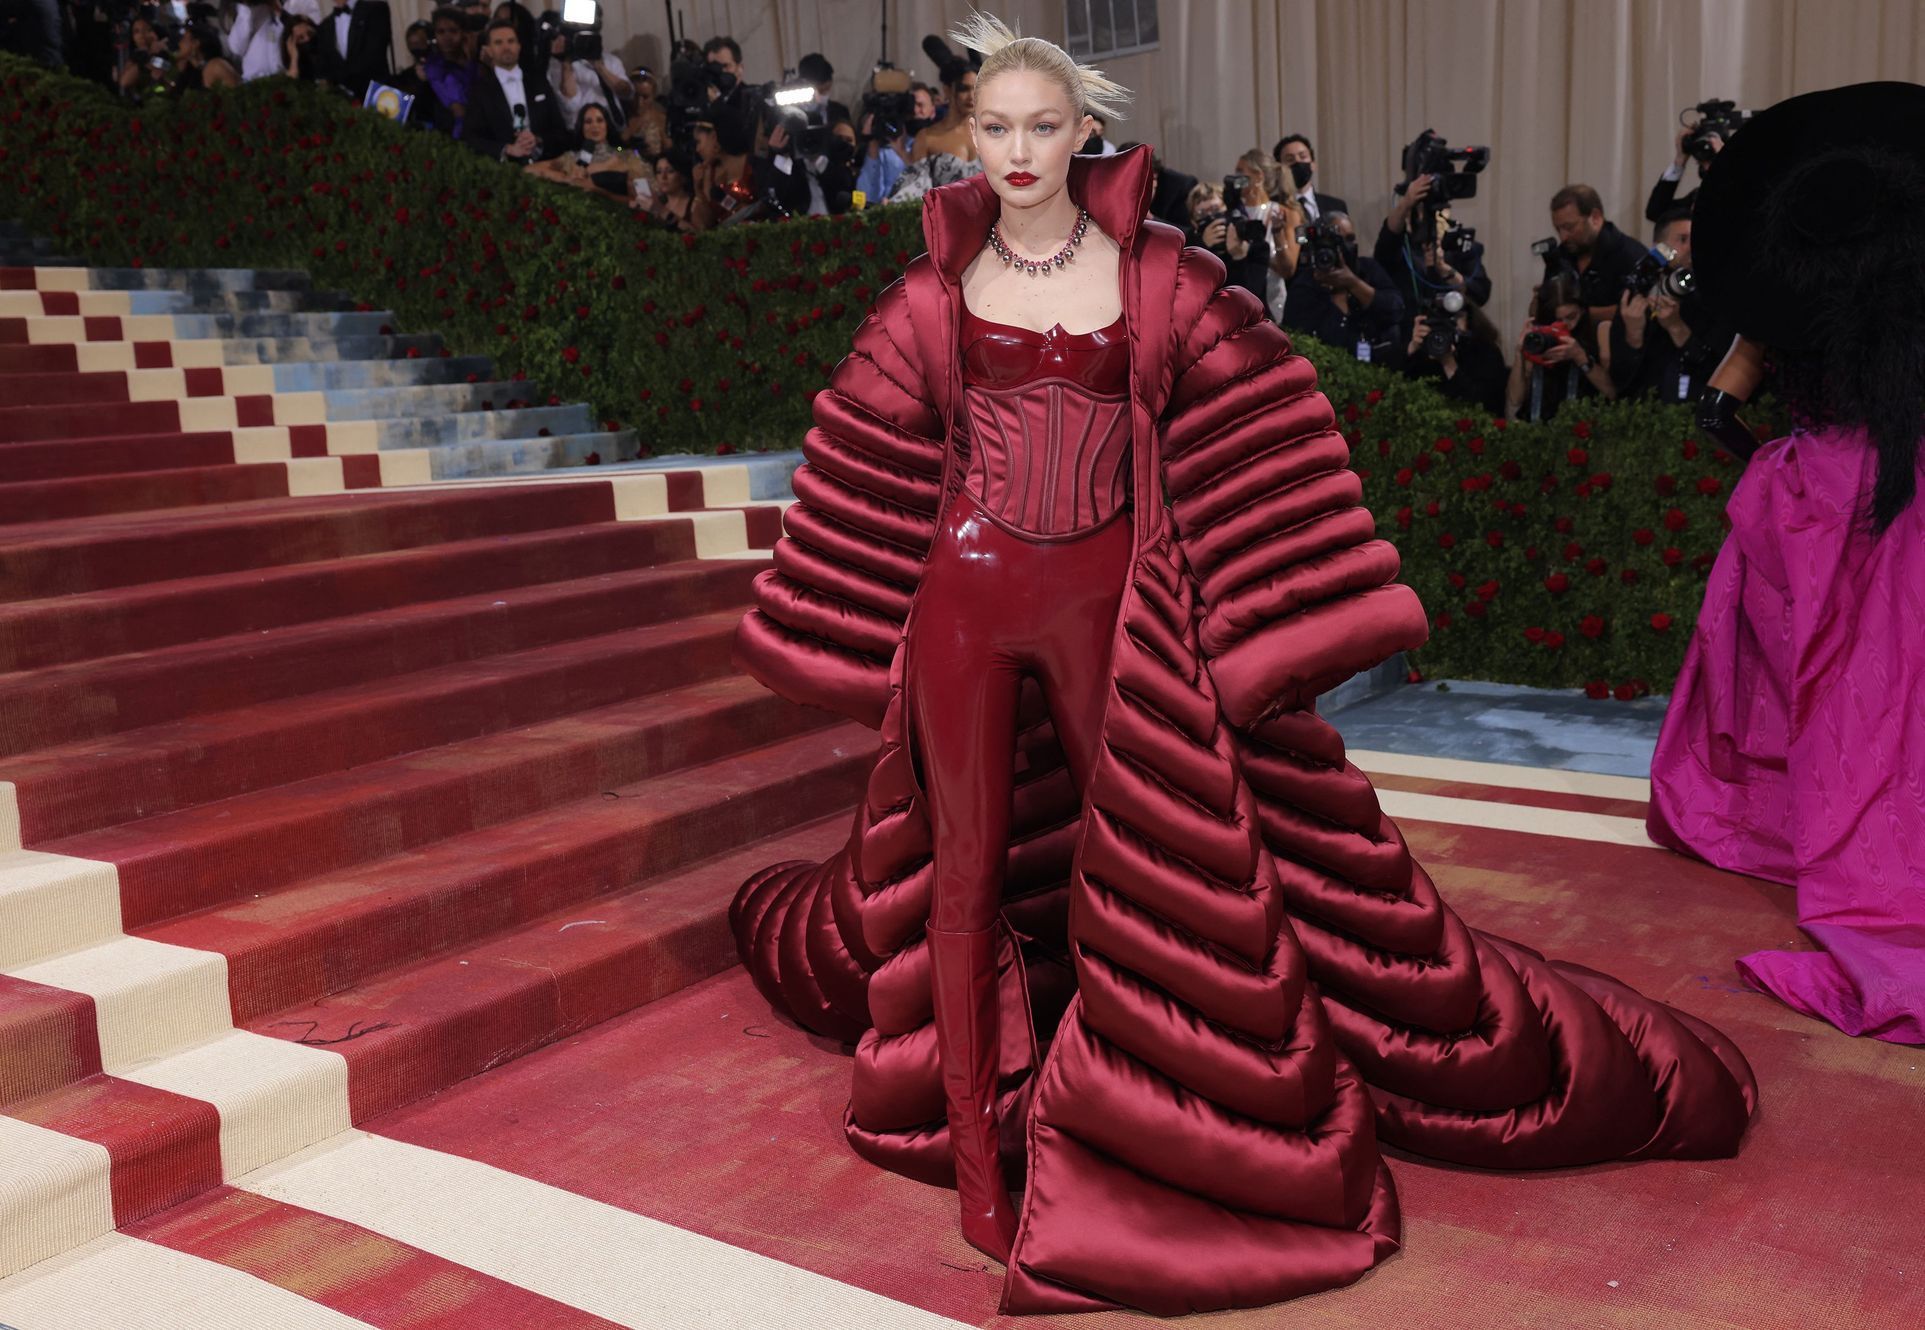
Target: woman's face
[(962, 97), (1570, 315), (1024, 124), (668, 181), (594, 125), (144, 36), (845, 131), (706, 146)]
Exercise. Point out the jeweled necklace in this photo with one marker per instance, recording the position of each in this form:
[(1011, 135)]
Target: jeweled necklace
[(1046, 266)]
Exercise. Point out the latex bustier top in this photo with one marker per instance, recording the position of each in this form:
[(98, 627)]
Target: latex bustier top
[(1047, 415)]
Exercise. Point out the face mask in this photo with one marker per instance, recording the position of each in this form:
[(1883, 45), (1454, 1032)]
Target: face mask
[(1300, 174)]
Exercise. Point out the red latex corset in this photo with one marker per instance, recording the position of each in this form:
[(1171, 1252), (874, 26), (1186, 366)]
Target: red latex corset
[(1048, 420)]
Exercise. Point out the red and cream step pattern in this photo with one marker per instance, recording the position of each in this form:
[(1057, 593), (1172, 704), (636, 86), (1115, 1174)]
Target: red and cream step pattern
[(304, 799), (684, 1164)]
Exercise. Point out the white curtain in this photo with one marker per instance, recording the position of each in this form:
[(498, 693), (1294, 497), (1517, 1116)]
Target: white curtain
[(1562, 91)]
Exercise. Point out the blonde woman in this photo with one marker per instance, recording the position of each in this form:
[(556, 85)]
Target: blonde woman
[(1076, 533)]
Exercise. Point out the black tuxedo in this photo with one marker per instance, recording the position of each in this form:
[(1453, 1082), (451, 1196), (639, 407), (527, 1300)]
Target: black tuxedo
[(490, 123), (369, 53), (1329, 203)]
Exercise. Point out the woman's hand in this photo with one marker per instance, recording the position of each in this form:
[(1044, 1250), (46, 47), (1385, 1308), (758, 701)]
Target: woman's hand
[(1633, 311), (1401, 204), (1418, 332)]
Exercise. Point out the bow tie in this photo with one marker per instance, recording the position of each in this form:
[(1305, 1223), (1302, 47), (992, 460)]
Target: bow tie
[(339, 10)]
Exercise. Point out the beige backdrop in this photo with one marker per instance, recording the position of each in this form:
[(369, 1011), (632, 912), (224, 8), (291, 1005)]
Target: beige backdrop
[(1561, 91)]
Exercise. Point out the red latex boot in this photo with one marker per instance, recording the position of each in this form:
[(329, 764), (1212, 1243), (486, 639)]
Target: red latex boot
[(962, 970)]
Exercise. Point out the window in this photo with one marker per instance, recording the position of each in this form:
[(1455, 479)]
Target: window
[(1099, 29)]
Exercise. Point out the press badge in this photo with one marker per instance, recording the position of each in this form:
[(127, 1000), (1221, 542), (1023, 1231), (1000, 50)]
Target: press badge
[(1363, 350)]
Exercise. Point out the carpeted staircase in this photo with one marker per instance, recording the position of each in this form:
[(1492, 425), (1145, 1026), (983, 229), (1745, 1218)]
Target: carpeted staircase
[(332, 769)]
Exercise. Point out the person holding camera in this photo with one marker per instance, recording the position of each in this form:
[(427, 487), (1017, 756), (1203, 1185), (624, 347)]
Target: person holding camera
[(1237, 241), (512, 114), (1454, 346), (297, 45), (883, 159), (1557, 354), (1341, 297), (1591, 249), (1664, 342), (1398, 244), (1700, 141), (147, 68)]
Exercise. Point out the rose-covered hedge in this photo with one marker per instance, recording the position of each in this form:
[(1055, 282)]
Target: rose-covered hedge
[(1566, 554), (708, 344), (1569, 554)]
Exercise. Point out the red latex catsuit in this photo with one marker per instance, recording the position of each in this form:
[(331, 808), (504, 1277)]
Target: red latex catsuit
[(1024, 578)]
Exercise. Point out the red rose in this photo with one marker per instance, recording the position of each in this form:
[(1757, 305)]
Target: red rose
[(1430, 509), (1557, 584), (1531, 552), (1582, 429), (724, 449), (1414, 675), (1383, 447), (1629, 577), (593, 459), (1553, 641), (619, 282), (661, 338), (1476, 609), (1404, 476), (1673, 556), (1573, 552), (1533, 635), (1624, 692), (1596, 566), (1487, 590), (1709, 484), (1643, 536), (1509, 469), (1374, 396), (1403, 517), (1443, 444), (1675, 520), (1578, 457), (1495, 539), (1464, 425), (1666, 485), (571, 354), (1500, 424), (581, 311), (1423, 462), (1456, 580), (1597, 690), (1350, 412), (1446, 541), (1591, 625), (1476, 445), (695, 404), (1563, 525), (1690, 449), (1601, 481)]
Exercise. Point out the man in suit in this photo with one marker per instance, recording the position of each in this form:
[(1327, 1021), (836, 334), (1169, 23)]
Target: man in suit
[(354, 44), (511, 115), (1299, 160)]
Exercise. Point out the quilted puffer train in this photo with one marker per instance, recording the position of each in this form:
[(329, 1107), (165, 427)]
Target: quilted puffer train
[(1229, 978)]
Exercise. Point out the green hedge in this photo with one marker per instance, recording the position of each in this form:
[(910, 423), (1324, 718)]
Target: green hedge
[(1571, 554)]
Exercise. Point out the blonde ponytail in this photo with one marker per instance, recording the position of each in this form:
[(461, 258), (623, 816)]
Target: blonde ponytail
[(1003, 50)]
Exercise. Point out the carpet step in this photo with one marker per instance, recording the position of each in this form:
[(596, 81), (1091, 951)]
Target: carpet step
[(60, 558), (91, 625), (179, 1126), (94, 785), (93, 304), (65, 703), (194, 281), (425, 400), (140, 491)]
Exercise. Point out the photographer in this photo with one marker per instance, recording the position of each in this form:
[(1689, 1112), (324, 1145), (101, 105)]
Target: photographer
[(1557, 355), (147, 68), (1664, 342), (297, 44), (511, 115), (575, 75), (1342, 298), (883, 159), (1452, 344), (805, 165), (1700, 141), (725, 181), (1592, 250), (1237, 241), (1434, 253)]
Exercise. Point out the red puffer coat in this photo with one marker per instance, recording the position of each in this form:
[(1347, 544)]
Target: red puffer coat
[(1241, 976)]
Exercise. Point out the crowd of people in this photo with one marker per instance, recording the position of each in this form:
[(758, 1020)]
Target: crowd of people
[(703, 145)]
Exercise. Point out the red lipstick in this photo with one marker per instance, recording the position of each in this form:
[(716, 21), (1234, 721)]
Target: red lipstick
[(1020, 178)]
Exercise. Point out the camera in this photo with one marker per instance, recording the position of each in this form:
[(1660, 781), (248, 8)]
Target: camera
[(1322, 246), (1593, 286), (1654, 275), (1250, 228), (1440, 314), (1459, 247), (1543, 337), (1455, 171), (580, 22), (889, 105), (1714, 117)]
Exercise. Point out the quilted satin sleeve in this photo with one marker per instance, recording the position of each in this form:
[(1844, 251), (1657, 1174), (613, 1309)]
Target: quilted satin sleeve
[(1297, 591), (827, 617)]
